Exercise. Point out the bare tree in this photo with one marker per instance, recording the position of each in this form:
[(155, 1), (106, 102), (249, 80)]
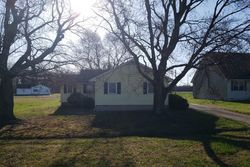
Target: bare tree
[(88, 50), (116, 53), (30, 31), (170, 34), (91, 52)]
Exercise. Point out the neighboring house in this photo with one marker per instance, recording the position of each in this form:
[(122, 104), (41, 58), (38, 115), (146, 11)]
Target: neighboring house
[(27, 90), (224, 76), (48, 78), (122, 88)]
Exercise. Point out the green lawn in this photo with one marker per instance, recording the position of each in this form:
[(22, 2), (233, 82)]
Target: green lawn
[(66, 137), (241, 107), (29, 106)]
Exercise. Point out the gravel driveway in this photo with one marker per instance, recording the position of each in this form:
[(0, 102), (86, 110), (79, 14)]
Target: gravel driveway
[(222, 113)]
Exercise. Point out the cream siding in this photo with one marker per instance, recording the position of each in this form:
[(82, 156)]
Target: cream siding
[(210, 84), (131, 96), (131, 88)]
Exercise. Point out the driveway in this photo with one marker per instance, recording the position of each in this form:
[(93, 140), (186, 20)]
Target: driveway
[(222, 113)]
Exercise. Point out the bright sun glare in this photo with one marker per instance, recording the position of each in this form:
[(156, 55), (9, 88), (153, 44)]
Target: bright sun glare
[(84, 7)]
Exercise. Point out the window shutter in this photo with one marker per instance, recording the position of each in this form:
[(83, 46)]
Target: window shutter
[(245, 85), (84, 88), (105, 88), (64, 88), (118, 87), (145, 88)]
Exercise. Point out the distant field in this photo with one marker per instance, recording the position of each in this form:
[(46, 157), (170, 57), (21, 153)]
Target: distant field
[(241, 107), (29, 106), (49, 136)]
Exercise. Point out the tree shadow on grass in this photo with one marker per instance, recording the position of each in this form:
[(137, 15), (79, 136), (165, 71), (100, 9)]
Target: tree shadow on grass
[(70, 160), (11, 123), (102, 158), (242, 101), (179, 125), (68, 110)]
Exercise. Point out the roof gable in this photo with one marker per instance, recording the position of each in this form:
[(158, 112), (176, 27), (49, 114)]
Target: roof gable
[(112, 70), (86, 75), (144, 67)]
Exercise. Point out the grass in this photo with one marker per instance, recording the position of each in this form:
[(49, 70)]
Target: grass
[(30, 106), (240, 107), (71, 137)]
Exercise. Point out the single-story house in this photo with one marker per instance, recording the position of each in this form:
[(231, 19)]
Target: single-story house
[(27, 90), (122, 88), (224, 76)]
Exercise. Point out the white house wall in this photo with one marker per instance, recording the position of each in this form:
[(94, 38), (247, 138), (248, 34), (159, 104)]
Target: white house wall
[(131, 88), (210, 84)]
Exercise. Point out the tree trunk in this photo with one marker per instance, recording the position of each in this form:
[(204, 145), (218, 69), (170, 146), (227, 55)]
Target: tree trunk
[(159, 98), (6, 101)]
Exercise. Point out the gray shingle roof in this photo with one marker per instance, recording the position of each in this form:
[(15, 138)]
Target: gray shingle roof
[(232, 65), (84, 75), (87, 74)]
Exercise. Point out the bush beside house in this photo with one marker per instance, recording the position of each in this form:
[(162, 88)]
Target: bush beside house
[(79, 100), (177, 102)]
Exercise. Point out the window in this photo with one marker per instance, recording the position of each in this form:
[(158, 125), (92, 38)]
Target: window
[(147, 88), (112, 88), (118, 87), (238, 85)]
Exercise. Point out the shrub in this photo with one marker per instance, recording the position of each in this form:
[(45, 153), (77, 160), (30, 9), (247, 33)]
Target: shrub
[(177, 102), (79, 100), (88, 102)]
